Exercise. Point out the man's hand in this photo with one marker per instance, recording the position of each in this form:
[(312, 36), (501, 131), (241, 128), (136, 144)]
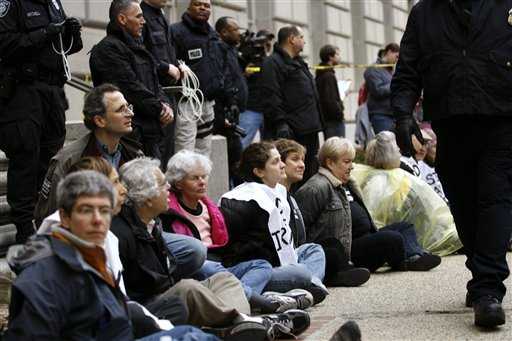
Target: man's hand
[(166, 116), (406, 127), (283, 131), (174, 72), (73, 25)]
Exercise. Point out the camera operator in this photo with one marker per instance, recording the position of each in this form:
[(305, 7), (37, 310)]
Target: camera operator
[(258, 48), (234, 98), (35, 36)]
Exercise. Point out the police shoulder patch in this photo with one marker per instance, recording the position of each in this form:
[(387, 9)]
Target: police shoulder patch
[(4, 7)]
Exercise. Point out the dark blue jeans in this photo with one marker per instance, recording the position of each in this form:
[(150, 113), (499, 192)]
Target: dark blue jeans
[(181, 333), (381, 122), (411, 245)]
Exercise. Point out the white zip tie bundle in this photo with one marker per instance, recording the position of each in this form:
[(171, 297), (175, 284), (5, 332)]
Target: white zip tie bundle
[(62, 53), (191, 94)]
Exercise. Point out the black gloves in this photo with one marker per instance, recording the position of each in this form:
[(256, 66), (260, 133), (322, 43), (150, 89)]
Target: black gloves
[(406, 126), (235, 112), (73, 25), (283, 131), (54, 29)]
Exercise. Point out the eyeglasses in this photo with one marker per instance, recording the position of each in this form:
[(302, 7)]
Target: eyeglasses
[(126, 109), (91, 211)]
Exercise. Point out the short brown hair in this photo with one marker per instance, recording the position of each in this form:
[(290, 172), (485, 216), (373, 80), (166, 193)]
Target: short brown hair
[(255, 155), (94, 163), (94, 104), (285, 147)]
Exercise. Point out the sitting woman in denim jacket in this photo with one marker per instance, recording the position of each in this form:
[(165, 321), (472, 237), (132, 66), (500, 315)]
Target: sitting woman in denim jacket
[(332, 206)]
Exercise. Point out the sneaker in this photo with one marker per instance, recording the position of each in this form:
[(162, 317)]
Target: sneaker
[(289, 324), (352, 277), (293, 299), (347, 332), (241, 331), (319, 294), (422, 262)]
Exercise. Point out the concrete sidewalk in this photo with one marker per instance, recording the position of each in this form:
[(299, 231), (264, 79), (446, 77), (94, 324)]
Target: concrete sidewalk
[(407, 306)]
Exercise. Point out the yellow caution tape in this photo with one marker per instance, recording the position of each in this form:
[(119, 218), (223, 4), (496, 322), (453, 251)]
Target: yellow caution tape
[(255, 69)]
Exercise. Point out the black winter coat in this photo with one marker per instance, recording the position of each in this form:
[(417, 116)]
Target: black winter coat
[(120, 60), (147, 263), (24, 46), (235, 82), (329, 95), (198, 45), (254, 88), (462, 63), (249, 237), (157, 40), (288, 93)]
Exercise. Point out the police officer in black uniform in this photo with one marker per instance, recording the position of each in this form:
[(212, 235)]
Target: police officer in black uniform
[(156, 38), (233, 100), (34, 35), (199, 46), (459, 52)]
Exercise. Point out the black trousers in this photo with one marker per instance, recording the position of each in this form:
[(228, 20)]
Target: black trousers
[(30, 142), (373, 250), (474, 163)]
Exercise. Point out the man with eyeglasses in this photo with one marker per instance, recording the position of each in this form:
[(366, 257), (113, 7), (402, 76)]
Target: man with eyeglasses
[(108, 116)]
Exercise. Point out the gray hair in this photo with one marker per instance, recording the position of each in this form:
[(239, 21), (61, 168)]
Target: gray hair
[(335, 148), (140, 179), (83, 183), (184, 162), (382, 152)]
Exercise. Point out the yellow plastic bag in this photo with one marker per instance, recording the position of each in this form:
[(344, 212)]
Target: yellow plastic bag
[(394, 195)]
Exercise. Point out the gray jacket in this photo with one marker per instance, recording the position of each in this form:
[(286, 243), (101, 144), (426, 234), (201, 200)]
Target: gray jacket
[(62, 162), (325, 209), (378, 83)]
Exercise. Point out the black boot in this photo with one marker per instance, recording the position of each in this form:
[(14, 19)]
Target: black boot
[(488, 312)]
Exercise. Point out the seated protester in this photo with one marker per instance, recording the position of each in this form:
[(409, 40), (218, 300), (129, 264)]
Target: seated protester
[(149, 277), (257, 215), (146, 323), (109, 117), (188, 174), (66, 271), (332, 206), (393, 195), (426, 156), (337, 268)]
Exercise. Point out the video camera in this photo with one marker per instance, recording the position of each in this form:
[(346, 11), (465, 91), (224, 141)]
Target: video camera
[(252, 48)]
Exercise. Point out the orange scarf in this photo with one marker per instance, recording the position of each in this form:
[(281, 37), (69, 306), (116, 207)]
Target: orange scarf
[(95, 257)]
